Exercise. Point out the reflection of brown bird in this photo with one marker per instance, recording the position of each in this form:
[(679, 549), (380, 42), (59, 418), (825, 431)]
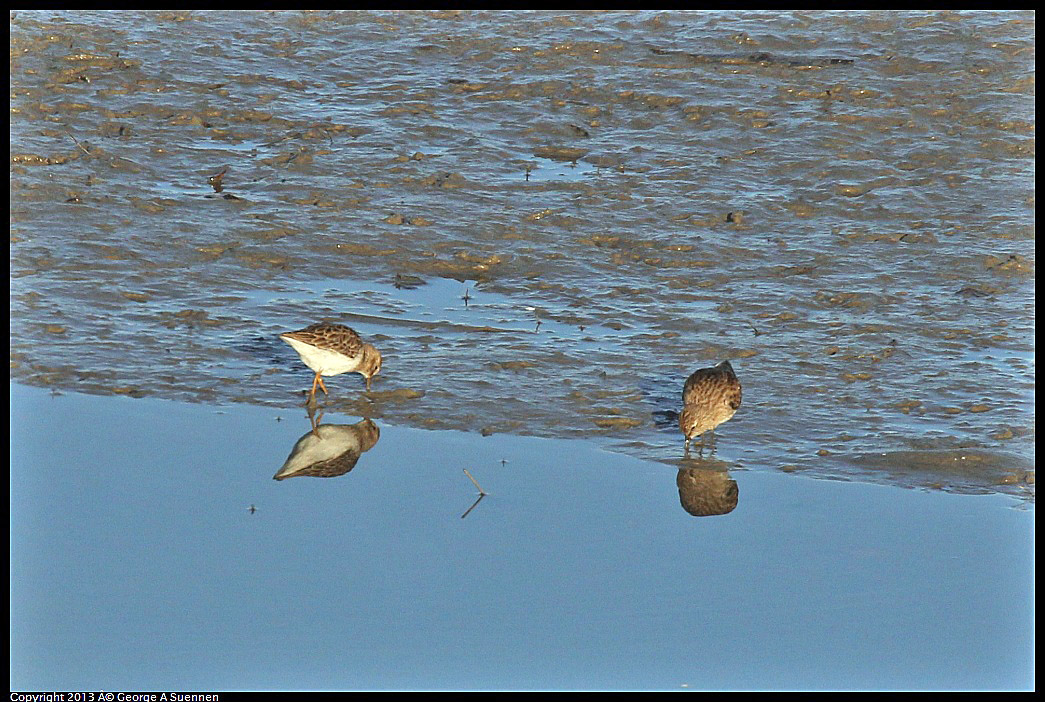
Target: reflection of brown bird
[(333, 349), (705, 493), (711, 396), (329, 450)]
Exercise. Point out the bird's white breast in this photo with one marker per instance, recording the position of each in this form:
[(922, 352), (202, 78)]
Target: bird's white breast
[(323, 361)]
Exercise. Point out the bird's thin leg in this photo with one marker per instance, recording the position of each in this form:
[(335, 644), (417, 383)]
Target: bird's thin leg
[(367, 383), (323, 387)]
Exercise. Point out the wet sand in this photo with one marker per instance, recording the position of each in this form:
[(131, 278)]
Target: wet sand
[(152, 549)]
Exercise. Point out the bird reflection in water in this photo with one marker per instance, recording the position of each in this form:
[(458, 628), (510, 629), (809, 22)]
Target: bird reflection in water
[(705, 488), (329, 450)]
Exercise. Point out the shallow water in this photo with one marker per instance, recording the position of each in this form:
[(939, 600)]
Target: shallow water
[(151, 549), (841, 203)]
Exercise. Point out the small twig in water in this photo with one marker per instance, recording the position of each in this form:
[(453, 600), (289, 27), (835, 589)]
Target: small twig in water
[(481, 491), (78, 143)]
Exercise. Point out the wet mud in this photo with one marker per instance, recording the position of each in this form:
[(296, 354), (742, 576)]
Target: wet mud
[(546, 222)]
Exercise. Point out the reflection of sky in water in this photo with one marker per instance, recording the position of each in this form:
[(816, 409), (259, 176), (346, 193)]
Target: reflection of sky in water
[(434, 300), (137, 565), (547, 169)]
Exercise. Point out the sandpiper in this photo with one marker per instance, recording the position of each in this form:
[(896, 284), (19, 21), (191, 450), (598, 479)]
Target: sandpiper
[(332, 349), (711, 396)]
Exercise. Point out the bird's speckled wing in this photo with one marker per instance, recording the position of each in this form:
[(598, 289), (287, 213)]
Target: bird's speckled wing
[(332, 337), (713, 383)]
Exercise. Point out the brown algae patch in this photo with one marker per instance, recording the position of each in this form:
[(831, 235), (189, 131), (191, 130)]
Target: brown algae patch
[(560, 153), (960, 468), (397, 395), (617, 422)]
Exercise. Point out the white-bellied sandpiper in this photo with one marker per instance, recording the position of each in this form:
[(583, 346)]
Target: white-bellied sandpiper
[(333, 349)]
